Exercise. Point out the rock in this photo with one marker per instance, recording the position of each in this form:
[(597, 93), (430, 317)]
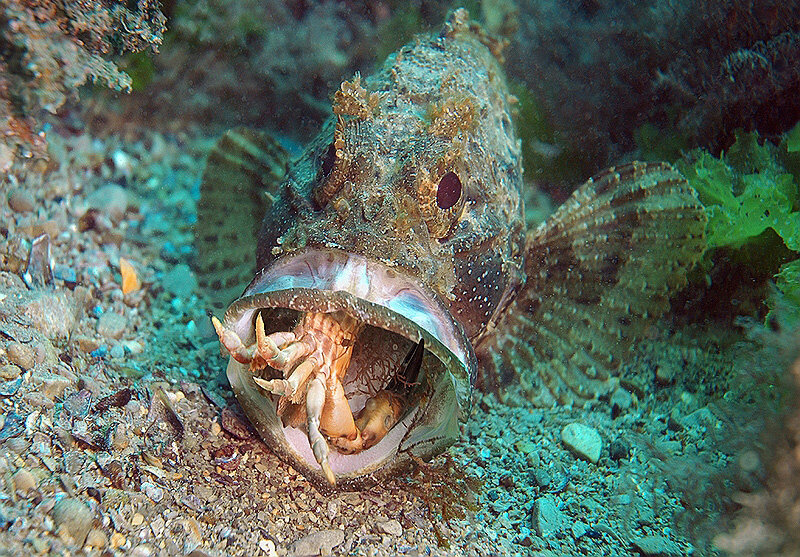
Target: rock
[(21, 201), (321, 542), (9, 372), (23, 481), (111, 325), (96, 539), (110, 199), (657, 545), (77, 404), (53, 313), (50, 385), (180, 281), (582, 440), (117, 540), (87, 344), (137, 519), (618, 450), (547, 519), (22, 354), (665, 373), (391, 527), (73, 518), (268, 547)]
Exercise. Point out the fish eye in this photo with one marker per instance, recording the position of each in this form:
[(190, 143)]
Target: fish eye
[(449, 191)]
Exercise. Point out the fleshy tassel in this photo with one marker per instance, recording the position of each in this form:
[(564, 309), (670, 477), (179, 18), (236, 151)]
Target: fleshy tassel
[(130, 282)]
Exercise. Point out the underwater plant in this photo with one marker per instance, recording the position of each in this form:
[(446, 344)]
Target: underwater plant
[(752, 206)]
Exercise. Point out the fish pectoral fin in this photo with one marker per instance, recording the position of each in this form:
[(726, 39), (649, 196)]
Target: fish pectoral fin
[(598, 271), (241, 180)]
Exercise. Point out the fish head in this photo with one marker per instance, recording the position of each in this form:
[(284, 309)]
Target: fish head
[(405, 213)]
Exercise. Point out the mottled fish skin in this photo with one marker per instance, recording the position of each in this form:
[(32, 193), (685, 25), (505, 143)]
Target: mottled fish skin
[(368, 183), (411, 197)]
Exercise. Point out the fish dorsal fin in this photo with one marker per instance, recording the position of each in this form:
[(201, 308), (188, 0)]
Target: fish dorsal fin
[(240, 182), (597, 272)]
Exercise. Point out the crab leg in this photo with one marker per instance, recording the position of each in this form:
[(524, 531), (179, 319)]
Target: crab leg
[(315, 402), (290, 387)]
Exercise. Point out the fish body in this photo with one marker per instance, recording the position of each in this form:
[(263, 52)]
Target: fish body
[(402, 224)]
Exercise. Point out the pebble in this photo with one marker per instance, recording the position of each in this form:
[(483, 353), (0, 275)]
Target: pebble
[(73, 517), (657, 545), (117, 540), (582, 440), (23, 481), (548, 520), (51, 385), (111, 325), (268, 547), (77, 404), (665, 374), (53, 313), (96, 539), (137, 519), (153, 491), (391, 527), (9, 372), (320, 542), (180, 281), (110, 199), (22, 354), (21, 201), (231, 423)]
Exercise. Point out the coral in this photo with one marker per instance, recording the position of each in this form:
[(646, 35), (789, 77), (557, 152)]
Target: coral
[(49, 48)]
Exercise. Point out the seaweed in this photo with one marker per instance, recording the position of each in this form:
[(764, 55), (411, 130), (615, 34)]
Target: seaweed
[(446, 489), (752, 206)]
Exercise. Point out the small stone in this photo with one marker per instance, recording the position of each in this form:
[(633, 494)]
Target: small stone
[(234, 425), (137, 519), (23, 481), (542, 478), (9, 372), (657, 545), (665, 374), (320, 542), (582, 440), (216, 429), (51, 312), (117, 437), (391, 527), (547, 519), (21, 201), (268, 547), (117, 351), (50, 385), (87, 344), (96, 539), (180, 281), (117, 540), (72, 517), (153, 491), (77, 404), (618, 450), (111, 325), (22, 354), (110, 199)]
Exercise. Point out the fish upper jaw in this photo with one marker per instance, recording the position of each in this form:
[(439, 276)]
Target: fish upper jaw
[(397, 311)]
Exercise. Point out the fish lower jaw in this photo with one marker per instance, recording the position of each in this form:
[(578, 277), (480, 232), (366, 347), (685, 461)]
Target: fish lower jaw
[(387, 315)]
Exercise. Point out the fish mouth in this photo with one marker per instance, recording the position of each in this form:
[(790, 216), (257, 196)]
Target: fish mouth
[(396, 314)]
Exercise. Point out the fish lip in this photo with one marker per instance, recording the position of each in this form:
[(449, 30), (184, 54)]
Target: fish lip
[(325, 280)]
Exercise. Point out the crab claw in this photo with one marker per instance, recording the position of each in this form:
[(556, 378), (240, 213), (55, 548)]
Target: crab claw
[(232, 343)]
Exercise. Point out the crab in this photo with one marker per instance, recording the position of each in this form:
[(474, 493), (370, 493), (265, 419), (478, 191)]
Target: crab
[(314, 358)]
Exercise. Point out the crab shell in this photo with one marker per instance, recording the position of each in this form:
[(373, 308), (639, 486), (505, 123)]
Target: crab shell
[(393, 306)]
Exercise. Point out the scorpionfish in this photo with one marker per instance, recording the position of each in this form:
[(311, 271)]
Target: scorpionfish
[(394, 270)]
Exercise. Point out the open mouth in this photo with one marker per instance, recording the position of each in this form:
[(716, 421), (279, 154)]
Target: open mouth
[(346, 367)]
